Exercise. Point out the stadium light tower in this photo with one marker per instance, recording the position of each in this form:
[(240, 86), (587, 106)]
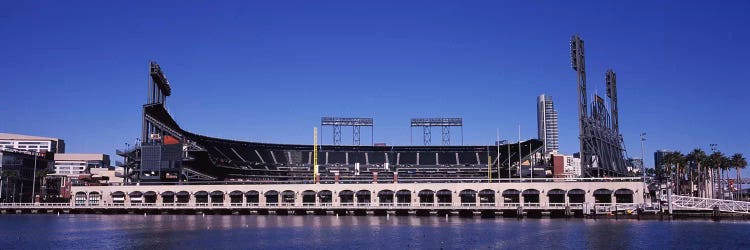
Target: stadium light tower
[(444, 123), (601, 144), (158, 91), (355, 123)]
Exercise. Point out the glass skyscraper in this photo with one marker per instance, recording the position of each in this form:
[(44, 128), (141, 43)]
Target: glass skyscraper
[(547, 123)]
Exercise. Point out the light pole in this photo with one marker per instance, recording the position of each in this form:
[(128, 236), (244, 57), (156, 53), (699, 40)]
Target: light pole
[(507, 145), (643, 163), (520, 170), (531, 163), (714, 147), (497, 141), (125, 166), (643, 155), (33, 181)]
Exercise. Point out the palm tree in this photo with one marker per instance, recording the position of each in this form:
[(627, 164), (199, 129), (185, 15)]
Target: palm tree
[(666, 161), (715, 161), (10, 177), (690, 158), (673, 159), (710, 163), (697, 157), (679, 161), (725, 164), (739, 162), (667, 166), (40, 174)]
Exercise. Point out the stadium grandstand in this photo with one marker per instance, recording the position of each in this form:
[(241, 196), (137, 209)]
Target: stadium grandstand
[(168, 153)]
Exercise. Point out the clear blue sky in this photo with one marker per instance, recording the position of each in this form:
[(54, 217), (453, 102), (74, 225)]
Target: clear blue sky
[(268, 70)]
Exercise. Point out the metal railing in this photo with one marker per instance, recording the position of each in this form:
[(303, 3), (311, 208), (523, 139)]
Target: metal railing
[(697, 203), (615, 207), (400, 180), (403, 205), (511, 204), (36, 205)]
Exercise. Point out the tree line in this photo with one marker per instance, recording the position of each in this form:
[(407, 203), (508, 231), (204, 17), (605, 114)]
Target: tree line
[(697, 173)]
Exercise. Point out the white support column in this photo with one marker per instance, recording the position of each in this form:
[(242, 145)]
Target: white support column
[(261, 198), (455, 198), (298, 198), (335, 201)]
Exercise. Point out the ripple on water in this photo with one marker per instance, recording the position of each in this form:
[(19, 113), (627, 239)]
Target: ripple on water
[(360, 232)]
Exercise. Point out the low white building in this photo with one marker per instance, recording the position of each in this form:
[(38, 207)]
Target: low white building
[(32, 143), (565, 166), (113, 176), (78, 164), (572, 165)]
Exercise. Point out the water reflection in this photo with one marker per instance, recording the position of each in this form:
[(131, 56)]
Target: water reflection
[(367, 232)]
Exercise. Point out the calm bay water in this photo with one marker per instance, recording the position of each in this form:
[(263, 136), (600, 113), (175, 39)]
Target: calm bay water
[(369, 232)]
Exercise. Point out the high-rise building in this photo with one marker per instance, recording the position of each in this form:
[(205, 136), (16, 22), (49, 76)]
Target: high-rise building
[(547, 123)]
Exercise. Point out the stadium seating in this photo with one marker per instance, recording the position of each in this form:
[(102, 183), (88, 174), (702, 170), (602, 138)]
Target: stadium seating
[(357, 157), (376, 157), (239, 160), (407, 158), (447, 158), (468, 158), (427, 158)]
